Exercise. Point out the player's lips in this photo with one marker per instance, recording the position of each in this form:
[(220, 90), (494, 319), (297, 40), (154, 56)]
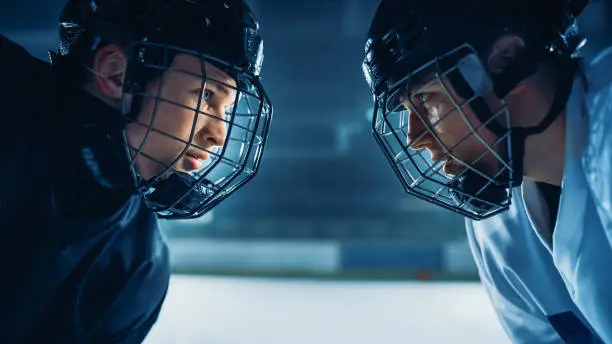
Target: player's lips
[(444, 161), (194, 159), (439, 157)]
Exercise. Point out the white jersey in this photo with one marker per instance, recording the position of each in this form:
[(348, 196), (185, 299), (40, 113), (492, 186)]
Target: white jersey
[(559, 291)]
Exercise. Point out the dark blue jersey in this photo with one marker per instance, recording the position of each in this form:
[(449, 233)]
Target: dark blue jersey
[(82, 257)]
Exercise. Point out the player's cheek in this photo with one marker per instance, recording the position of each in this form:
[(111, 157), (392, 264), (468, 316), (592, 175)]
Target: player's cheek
[(440, 117), (454, 131), (178, 127)]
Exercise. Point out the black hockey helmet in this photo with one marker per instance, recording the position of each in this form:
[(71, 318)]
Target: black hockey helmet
[(223, 33), (413, 44)]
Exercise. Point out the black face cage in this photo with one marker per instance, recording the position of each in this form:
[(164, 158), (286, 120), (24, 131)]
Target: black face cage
[(178, 194), (419, 174)]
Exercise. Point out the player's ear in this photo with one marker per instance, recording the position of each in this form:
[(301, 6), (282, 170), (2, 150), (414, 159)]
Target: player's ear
[(505, 50), (109, 66)]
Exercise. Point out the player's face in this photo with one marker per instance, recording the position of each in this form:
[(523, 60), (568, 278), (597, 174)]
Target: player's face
[(451, 125), (170, 110)]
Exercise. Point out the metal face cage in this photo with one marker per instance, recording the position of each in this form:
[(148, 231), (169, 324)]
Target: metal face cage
[(194, 150), (433, 127)]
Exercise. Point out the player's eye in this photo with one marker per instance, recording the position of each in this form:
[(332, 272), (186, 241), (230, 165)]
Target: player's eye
[(422, 98), (206, 95)]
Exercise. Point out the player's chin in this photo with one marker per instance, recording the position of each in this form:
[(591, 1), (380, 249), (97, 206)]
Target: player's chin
[(452, 168), (153, 169)]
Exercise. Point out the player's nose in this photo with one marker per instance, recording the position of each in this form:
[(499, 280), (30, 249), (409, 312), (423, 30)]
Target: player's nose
[(214, 131), (417, 136)]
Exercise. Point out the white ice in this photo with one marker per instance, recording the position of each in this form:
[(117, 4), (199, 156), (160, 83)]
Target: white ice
[(224, 310)]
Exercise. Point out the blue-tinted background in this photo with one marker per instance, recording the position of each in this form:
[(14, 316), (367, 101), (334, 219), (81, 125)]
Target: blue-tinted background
[(325, 202)]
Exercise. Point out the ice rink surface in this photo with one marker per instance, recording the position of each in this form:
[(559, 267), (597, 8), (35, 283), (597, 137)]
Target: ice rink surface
[(226, 310)]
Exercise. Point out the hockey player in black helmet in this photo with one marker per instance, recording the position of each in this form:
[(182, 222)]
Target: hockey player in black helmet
[(486, 108), (149, 109), (465, 152)]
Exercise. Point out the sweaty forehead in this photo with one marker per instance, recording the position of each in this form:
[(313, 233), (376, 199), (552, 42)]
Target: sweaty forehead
[(193, 65)]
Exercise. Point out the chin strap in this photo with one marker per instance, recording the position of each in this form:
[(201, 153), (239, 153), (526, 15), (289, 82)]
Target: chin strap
[(519, 135), (477, 194)]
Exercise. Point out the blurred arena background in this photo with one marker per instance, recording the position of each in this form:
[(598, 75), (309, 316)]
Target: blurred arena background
[(322, 246)]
